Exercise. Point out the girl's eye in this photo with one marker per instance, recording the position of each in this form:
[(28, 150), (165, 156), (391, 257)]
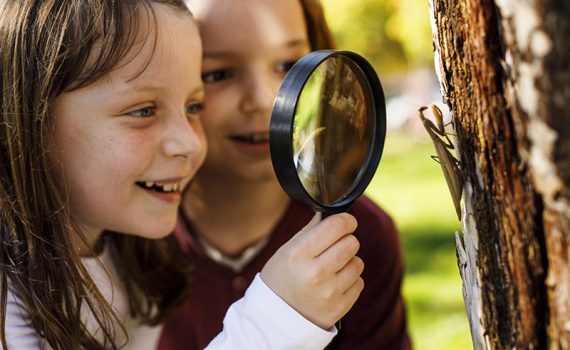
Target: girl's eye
[(143, 112), (285, 66), (216, 76), (195, 108)]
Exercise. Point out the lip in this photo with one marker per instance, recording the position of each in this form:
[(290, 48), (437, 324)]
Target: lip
[(168, 197), (259, 148), (261, 133)]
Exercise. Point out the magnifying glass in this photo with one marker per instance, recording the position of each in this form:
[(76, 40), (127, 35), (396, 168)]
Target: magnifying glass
[(327, 129)]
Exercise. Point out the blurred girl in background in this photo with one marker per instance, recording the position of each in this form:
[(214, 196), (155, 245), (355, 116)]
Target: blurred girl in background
[(235, 215)]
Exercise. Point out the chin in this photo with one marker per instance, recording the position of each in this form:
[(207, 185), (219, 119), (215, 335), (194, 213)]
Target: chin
[(154, 231), (159, 235), (261, 176)]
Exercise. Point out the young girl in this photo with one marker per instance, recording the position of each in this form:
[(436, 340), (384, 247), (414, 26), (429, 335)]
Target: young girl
[(99, 132), (235, 214)]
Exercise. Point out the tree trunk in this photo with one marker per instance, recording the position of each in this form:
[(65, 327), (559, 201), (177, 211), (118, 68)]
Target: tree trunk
[(503, 71)]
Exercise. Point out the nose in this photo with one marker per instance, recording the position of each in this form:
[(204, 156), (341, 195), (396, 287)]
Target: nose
[(259, 90), (184, 137)]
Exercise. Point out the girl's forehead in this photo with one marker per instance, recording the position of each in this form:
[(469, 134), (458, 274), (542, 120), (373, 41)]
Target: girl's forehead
[(139, 36), (156, 50), (160, 37), (225, 22)]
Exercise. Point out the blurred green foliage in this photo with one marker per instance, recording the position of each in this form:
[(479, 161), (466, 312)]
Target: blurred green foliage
[(410, 186), (394, 35)]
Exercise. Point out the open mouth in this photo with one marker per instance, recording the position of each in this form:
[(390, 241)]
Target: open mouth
[(255, 138), (160, 187)]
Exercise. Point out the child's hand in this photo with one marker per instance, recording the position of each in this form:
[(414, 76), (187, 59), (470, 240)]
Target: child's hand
[(317, 272)]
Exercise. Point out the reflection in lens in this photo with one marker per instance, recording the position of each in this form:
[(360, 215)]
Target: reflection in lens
[(333, 129)]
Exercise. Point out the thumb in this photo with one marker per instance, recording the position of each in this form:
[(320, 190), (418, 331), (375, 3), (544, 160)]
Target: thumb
[(314, 221)]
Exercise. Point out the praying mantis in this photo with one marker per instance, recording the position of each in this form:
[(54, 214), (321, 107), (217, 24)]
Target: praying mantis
[(443, 146)]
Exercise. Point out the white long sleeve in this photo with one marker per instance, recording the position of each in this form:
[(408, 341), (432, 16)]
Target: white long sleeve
[(259, 320), (19, 334), (262, 320)]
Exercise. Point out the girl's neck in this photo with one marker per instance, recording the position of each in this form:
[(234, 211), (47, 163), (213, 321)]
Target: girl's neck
[(233, 215), (91, 246)]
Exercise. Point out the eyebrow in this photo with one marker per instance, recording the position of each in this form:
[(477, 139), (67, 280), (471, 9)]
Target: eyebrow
[(226, 53), (154, 88)]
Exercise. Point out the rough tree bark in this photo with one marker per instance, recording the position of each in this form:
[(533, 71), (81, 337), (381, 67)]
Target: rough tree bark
[(503, 71)]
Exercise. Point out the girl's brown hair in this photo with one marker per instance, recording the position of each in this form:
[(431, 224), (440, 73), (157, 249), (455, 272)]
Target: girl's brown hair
[(320, 36), (48, 47)]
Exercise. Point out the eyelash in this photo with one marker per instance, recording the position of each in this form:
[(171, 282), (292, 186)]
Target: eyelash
[(194, 108), (216, 76), (219, 75), (137, 112), (286, 66)]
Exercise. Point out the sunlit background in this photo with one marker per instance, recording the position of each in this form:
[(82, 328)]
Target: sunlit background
[(395, 36)]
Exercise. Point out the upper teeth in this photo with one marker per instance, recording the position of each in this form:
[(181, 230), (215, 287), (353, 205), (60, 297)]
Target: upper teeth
[(169, 187), (258, 137)]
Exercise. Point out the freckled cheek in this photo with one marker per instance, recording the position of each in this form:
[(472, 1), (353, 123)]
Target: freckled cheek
[(132, 153)]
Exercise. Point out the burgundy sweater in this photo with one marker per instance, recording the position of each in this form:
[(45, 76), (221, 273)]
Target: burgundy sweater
[(376, 321)]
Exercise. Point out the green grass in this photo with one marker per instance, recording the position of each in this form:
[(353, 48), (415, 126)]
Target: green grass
[(410, 186)]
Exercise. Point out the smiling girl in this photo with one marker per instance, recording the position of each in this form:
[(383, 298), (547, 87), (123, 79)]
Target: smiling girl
[(99, 133)]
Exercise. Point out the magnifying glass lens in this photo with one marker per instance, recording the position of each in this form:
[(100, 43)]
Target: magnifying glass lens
[(333, 129)]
